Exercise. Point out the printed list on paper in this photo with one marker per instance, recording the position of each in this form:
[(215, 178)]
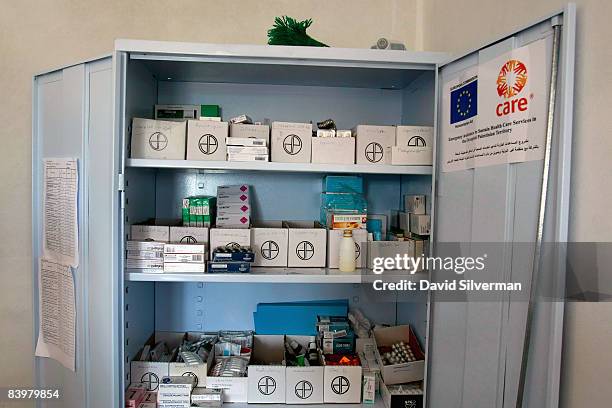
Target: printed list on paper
[(60, 228), (57, 313)]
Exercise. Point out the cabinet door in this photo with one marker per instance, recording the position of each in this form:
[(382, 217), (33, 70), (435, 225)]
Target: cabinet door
[(73, 118), (475, 345)]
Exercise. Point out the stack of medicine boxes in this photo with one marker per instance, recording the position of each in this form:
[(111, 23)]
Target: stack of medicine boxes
[(343, 206), (233, 206), (248, 141)]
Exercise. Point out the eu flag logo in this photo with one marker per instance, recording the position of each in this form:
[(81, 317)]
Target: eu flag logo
[(464, 102)]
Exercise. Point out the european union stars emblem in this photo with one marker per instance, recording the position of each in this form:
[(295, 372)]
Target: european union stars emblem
[(464, 102)]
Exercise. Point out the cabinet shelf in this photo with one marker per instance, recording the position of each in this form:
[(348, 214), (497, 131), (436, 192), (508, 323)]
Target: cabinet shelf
[(257, 275), (279, 167)]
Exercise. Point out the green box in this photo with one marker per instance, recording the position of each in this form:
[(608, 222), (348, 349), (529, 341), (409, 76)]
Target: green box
[(210, 111)]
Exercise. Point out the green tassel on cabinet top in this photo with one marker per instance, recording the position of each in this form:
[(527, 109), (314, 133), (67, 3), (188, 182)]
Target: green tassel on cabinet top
[(289, 31)]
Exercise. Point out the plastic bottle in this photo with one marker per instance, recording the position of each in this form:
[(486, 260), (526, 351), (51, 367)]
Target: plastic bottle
[(347, 252)]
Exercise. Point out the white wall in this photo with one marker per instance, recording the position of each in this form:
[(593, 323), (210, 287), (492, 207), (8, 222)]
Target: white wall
[(451, 25)]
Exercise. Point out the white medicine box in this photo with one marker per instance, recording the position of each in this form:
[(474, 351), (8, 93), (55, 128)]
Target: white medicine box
[(206, 140), (414, 136), (291, 142), (333, 150), (141, 232), (415, 204), (334, 238), (307, 244), (189, 235), (414, 146), (245, 130), (420, 224), (229, 237), (269, 242), (403, 372), (342, 384), (373, 143), (304, 385), (266, 373), (158, 139)]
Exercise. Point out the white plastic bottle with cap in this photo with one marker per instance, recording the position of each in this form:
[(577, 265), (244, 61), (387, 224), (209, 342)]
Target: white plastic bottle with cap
[(347, 252)]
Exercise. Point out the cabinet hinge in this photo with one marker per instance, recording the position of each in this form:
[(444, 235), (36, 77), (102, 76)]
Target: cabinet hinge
[(120, 182)]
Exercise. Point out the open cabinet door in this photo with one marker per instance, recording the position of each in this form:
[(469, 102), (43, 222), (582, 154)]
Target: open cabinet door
[(73, 119), (492, 204)]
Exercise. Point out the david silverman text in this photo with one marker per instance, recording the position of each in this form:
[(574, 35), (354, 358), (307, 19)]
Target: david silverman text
[(447, 285)]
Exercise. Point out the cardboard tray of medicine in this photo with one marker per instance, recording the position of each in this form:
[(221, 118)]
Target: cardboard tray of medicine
[(342, 384), (234, 388), (404, 372), (399, 400), (152, 372), (304, 385), (266, 373)]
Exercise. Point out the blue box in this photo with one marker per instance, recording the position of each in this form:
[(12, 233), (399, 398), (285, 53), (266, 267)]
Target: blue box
[(343, 184)]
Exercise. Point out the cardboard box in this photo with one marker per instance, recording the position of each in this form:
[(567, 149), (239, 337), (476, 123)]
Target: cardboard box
[(307, 244), (342, 221), (234, 189), (144, 263), (389, 249), (224, 198), (151, 373), (333, 150), (304, 385), (404, 221), (414, 136), (234, 388), (229, 237), (266, 373), (206, 140), (189, 235), (342, 384), (383, 220), (160, 233), (250, 131), (233, 208), (158, 139), (291, 142), (393, 399), (144, 246), (233, 221), (403, 372), (270, 241), (415, 204), (373, 143), (343, 184), (137, 254), (420, 224), (246, 142), (239, 151), (334, 237)]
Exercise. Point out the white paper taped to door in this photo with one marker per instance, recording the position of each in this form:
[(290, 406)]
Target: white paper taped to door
[(56, 313), (60, 228), (496, 112)]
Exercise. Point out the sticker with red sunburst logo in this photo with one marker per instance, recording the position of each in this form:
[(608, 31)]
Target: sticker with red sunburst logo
[(511, 79)]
